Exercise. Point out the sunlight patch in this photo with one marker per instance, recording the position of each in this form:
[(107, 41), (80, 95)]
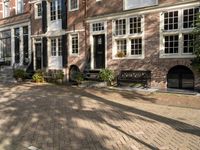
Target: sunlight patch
[(33, 148)]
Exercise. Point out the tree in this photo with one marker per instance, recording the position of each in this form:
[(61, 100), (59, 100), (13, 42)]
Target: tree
[(196, 44)]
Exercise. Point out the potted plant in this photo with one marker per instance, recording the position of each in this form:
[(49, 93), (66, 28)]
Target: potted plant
[(38, 76), (19, 74), (59, 76), (78, 77), (106, 75), (120, 54)]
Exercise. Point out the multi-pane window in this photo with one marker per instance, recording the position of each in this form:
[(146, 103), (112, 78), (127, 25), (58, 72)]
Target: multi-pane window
[(20, 6), (180, 41), (98, 26), (6, 9), (122, 46), (25, 45), (171, 20), (59, 47), (55, 9), (5, 46), (39, 9), (136, 46), (188, 46), (56, 46), (17, 44), (128, 37), (74, 43), (189, 17), (135, 25), (53, 47), (73, 4), (171, 44), (120, 27)]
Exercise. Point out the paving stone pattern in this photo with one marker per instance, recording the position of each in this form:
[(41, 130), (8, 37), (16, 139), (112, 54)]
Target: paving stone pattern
[(50, 117)]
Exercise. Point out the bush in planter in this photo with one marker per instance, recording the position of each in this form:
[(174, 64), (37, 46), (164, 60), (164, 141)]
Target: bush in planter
[(59, 76), (78, 77), (38, 76), (106, 75), (19, 74)]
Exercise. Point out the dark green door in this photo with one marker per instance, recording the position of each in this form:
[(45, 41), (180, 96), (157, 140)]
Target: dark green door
[(99, 51)]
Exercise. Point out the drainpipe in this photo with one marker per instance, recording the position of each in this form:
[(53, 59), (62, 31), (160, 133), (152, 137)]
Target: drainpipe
[(85, 26)]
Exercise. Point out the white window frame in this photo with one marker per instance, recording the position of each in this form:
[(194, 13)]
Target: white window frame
[(141, 6), (128, 37), (8, 9), (180, 31), (36, 10), (56, 5), (97, 23), (70, 44), (73, 9), (57, 46), (17, 7)]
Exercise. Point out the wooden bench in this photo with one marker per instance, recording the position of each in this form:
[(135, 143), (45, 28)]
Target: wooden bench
[(134, 76)]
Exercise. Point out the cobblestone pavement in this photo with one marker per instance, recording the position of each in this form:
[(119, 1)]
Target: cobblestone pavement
[(50, 117)]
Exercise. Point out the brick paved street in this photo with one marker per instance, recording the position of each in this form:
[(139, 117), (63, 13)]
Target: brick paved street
[(51, 117)]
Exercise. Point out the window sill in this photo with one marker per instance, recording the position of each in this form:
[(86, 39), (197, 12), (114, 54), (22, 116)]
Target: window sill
[(176, 56), (128, 57), (74, 55), (71, 10), (38, 17)]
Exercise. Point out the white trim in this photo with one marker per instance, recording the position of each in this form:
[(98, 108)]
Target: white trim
[(128, 38), (69, 2), (3, 5), (70, 44), (57, 59), (20, 26), (180, 31), (74, 31), (92, 43), (142, 11), (16, 7), (36, 10), (34, 53)]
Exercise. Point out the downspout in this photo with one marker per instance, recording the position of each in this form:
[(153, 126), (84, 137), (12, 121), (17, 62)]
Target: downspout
[(86, 38)]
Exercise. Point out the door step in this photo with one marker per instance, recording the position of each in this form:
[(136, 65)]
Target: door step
[(92, 75)]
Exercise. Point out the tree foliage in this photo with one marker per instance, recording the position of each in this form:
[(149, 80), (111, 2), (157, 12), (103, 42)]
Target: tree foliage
[(196, 44)]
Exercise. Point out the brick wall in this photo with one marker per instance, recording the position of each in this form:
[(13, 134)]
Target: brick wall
[(13, 16)]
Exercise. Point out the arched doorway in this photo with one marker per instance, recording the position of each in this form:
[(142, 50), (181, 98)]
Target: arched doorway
[(180, 77)]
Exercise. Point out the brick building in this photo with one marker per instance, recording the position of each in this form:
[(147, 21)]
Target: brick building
[(150, 35)]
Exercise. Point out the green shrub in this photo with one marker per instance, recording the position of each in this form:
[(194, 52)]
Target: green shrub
[(19, 74), (106, 75), (78, 77), (59, 75), (38, 76)]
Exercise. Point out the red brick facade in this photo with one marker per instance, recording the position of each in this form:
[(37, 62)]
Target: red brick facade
[(90, 11), (158, 66)]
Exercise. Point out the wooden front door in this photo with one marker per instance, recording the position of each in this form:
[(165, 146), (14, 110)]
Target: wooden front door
[(99, 51)]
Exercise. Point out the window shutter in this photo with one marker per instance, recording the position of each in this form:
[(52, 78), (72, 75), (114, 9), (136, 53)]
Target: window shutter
[(64, 14), (64, 51), (45, 52), (44, 16)]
